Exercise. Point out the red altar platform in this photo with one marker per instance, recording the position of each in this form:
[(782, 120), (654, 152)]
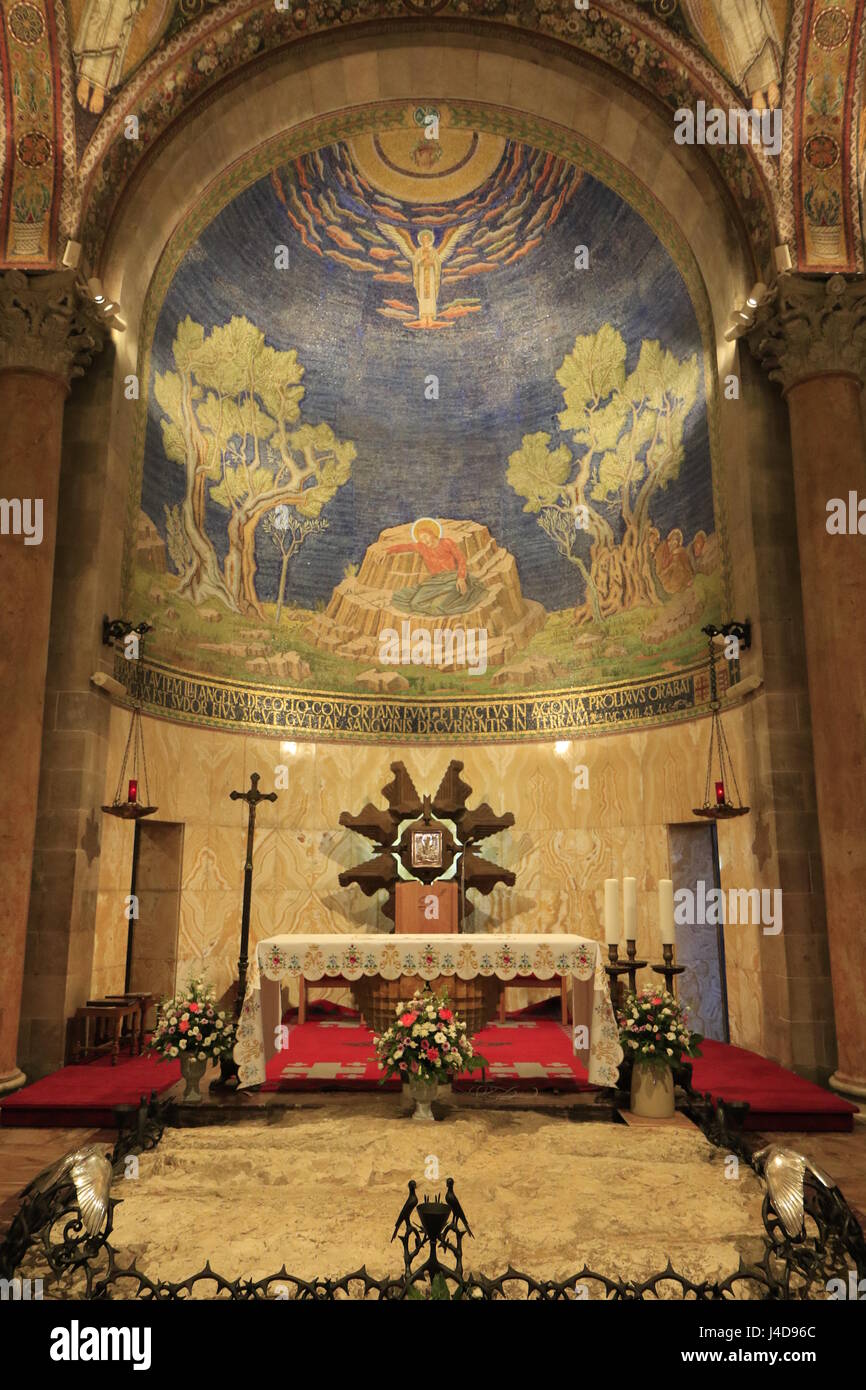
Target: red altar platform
[(530, 1052)]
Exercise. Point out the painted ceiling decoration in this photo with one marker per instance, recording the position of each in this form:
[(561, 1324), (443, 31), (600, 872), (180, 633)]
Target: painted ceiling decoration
[(828, 99), (322, 545), (154, 58), (37, 166), (634, 40)]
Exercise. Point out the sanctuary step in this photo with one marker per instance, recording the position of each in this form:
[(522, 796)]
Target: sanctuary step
[(529, 1054)]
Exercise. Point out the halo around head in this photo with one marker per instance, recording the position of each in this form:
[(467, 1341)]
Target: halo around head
[(426, 521)]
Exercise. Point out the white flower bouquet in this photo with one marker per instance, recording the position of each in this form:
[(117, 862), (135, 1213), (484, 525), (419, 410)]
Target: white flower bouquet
[(426, 1042), (653, 1028), (190, 1025)]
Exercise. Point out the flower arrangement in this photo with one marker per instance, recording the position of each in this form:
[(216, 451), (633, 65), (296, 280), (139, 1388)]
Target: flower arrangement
[(426, 1042), (190, 1025), (653, 1028)]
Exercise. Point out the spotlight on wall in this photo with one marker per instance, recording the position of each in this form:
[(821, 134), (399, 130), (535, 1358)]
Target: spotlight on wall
[(561, 747), (109, 308), (744, 316)]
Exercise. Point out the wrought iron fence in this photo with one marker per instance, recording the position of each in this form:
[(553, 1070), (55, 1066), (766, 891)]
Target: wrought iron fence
[(48, 1232)]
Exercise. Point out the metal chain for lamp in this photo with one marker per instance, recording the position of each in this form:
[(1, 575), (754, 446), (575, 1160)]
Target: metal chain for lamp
[(125, 806), (718, 738)]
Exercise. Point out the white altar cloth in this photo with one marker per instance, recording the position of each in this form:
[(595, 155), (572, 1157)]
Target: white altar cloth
[(336, 956)]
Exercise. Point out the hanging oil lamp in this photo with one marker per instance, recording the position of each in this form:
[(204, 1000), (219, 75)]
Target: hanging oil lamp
[(717, 803), (132, 795)]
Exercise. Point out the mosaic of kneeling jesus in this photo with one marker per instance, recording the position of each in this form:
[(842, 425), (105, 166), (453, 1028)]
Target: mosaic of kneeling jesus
[(450, 588)]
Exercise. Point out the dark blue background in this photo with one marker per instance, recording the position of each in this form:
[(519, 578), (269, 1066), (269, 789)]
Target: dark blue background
[(365, 377)]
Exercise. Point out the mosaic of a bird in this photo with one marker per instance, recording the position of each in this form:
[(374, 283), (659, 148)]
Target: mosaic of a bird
[(784, 1173), (90, 1171)]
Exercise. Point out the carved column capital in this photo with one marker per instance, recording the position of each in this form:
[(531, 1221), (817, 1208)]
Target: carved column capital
[(812, 328), (46, 325)]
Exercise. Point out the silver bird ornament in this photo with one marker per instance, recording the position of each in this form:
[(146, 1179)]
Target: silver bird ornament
[(784, 1173), (90, 1171)]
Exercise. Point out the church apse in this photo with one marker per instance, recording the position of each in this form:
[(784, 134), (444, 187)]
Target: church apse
[(429, 378)]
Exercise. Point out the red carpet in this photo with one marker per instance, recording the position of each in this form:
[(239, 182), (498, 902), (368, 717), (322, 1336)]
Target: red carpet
[(779, 1099), (84, 1096), (332, 1051), (530, 1052)]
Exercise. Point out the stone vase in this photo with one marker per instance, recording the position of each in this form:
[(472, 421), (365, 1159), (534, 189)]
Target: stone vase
[(652, 1091), (423, 1094), (192, 1069)]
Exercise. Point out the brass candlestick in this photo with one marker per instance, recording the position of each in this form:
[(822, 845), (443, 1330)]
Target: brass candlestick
[(615, 968), (633, 965), (667, 968)]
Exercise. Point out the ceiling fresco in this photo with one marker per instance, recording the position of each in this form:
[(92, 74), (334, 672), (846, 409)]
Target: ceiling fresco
[(426, 418), (745, 39), (73, 71)]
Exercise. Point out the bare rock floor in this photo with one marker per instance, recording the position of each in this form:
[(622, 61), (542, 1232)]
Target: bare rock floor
[(320, 1189)]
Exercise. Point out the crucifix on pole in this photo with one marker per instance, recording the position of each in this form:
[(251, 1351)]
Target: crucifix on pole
[(252, 798)]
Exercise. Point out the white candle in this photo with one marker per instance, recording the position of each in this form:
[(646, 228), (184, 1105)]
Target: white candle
[(611, 911), (629, 904), (666, 911)]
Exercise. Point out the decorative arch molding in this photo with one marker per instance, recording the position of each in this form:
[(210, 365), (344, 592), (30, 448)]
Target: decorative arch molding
[(225, 46), (810, 198)]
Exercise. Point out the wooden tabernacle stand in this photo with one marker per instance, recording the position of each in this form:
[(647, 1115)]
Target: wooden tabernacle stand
[(427, 907)]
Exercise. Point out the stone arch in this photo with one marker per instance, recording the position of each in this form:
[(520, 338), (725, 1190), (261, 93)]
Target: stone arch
[(624, 46), (686, 203)]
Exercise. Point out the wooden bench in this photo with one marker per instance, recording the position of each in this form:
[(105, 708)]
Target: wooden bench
[(108, 1018), (144, 1000)]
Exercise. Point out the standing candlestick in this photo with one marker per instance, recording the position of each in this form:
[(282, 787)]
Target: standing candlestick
[(633, 964), (613, 970), (668, 968)]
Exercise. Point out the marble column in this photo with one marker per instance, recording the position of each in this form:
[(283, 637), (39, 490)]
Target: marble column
[(812, 339), (47, 336)]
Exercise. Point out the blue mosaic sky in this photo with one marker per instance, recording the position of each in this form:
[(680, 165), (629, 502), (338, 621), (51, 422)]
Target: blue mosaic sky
[(365, 376)]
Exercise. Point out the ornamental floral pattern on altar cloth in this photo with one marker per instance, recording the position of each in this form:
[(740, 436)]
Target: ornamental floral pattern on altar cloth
[(327, 958), (317, 958)]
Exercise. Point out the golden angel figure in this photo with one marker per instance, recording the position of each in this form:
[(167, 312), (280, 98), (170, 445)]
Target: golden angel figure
[(426, 260)]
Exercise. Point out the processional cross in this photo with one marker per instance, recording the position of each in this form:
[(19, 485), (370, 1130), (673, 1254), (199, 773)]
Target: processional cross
[(228, 1067), (252, 798)]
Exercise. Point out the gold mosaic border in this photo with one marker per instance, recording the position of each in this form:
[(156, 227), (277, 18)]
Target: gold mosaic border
[(312, 715)]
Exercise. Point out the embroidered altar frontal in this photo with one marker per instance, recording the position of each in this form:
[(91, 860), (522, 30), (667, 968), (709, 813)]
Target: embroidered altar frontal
[(507, 958)]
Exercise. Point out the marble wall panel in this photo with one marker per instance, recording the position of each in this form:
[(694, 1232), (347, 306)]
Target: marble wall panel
[(565, 841)]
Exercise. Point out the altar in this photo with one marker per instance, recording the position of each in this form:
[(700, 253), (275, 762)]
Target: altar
[(335, 958)]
